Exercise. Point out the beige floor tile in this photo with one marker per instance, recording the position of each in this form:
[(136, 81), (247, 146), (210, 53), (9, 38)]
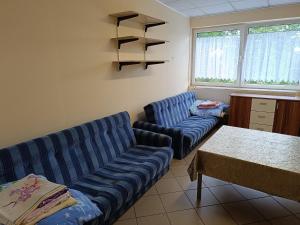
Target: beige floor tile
[(186, 184), (176, 162), (269, 208), (151, 191), (188, 160), (290, 220), (191, 155), (175, 201), (249, 193), (179, 171), (185, 217), (215, 215), (243, 212), (293, 206), (211, 182), (226, 193), (129, 214), (148, 205), (126, 222), (161, 219), (167, 186), (168, 175), (207, 198)]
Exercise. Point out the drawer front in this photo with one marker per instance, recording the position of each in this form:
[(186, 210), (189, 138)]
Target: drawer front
[(262, 118), (261, 127), (263, 105)]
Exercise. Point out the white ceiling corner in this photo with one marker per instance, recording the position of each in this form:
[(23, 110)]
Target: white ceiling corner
[(211, 7)]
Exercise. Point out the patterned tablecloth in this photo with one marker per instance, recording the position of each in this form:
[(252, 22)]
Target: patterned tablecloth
[(264, 161)]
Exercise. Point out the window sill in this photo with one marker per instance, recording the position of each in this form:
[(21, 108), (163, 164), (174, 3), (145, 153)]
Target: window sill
[(249, 90)]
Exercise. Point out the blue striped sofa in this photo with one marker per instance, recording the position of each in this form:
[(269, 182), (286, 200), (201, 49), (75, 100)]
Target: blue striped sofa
[(171, 116), (106, 159)]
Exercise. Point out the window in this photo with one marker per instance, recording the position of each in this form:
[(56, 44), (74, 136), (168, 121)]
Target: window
[(258, 55), (216, 56)]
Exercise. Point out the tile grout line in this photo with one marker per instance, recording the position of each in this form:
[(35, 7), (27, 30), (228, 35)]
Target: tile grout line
[(195, 208), (268, 220), (294, 214), (233, 219), (164, 209)]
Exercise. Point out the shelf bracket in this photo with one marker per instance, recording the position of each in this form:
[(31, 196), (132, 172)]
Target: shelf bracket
[(121, 18), (152, 63), (153, 43), (120, 42), (153, 25), (121, 64)]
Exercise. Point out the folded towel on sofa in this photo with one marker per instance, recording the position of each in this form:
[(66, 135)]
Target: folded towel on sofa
[(78, 214), (32, 198), (208, 108), (208, 104)]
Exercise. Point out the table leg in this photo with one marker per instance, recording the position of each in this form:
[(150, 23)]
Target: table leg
[(199, 188)]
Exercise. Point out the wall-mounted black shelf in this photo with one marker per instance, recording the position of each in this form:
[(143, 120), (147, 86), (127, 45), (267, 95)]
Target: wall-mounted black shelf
[(147, 41), (147, 21), (146, 63)]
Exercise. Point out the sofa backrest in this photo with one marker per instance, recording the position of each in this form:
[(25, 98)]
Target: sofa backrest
[(170, 111), (65, 156)]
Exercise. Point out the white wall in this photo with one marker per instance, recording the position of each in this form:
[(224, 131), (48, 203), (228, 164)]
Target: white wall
[(56, 66)]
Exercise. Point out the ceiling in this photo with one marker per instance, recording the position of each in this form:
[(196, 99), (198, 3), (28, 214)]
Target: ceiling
[(211, 7)]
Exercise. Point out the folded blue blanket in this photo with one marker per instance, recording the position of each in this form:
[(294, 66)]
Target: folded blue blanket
[(77, 214), (218, 111), (84, 211)]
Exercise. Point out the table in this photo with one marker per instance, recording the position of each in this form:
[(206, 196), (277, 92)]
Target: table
[(260, 160)]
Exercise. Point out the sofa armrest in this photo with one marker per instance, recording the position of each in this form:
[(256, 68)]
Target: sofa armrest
[(144, 137), (172, 132), (175, 134)]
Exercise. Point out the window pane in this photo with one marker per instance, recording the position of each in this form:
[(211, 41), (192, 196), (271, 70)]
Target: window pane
[(216, 56), (272, 55)]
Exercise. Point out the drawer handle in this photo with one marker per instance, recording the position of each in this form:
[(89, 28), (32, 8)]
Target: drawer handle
[(261, 117), (263, 103), (261, 129)]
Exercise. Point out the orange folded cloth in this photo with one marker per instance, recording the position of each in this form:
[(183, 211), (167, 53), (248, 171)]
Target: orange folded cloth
[(208, 105)]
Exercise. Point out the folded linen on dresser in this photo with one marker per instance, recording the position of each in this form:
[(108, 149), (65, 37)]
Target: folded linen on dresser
[(31, 199)]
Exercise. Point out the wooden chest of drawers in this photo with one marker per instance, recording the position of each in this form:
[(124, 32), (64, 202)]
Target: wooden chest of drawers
[(280, 114)]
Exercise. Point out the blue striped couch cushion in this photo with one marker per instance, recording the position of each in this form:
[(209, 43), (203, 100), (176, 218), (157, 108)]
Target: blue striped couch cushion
[(195, 127), (122, 180), (65, 156), (170, 111)]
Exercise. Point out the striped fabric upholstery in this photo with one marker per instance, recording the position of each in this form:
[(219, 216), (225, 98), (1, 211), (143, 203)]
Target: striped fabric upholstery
[(102, 158), (170, 111), (175, 134), (144, 137), (195, 128), (171, 117)]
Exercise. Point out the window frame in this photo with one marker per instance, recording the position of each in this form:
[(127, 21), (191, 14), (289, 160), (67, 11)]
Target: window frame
[(244, 29)]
